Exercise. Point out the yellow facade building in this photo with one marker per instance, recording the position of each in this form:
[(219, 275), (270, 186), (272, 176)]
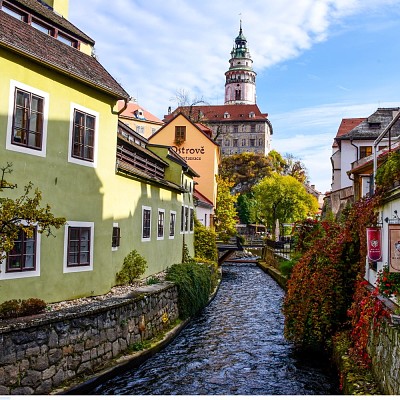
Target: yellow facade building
[(194, 143)]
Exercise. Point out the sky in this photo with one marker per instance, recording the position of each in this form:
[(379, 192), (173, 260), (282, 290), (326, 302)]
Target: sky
[(317, 61)]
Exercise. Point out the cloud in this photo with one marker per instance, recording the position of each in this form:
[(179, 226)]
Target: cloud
[(154, 48)]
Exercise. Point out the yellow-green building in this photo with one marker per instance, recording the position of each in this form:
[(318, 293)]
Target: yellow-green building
[(59, 127)]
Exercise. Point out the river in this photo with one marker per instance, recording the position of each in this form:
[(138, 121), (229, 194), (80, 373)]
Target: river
[(234, 347)]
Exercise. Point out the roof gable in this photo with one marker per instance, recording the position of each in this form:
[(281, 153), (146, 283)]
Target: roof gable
[(187, 121), (371, 127)]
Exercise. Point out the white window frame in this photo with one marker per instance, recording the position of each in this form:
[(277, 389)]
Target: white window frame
[(22, 149), (26, 274), (141, 234), (169, 225), (161, 210), (78, 224), (96, 115)]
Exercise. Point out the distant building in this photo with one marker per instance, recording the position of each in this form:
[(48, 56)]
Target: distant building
[(139, 119), (238, 126)]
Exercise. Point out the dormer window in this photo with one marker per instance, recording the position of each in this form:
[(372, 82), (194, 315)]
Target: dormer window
[(226, 115), (252, 114), (18, 14)]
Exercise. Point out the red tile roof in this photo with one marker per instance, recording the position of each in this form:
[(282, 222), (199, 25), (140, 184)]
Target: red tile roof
[(237, 112), (133, 107), (23, 39), (346, 126), (202, 198)]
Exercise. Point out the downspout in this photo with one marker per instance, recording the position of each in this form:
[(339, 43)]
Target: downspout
[(126, 101)]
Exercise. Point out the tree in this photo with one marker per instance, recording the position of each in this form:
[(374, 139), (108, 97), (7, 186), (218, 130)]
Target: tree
[(24, 212), (246, 169), (283, 198), (295, 168), (245, 206), (225, 211)]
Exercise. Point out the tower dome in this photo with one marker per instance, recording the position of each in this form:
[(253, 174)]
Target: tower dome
[(240, 83)]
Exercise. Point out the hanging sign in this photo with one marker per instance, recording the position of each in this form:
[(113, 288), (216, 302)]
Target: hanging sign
[(394, 248), (374, 244)]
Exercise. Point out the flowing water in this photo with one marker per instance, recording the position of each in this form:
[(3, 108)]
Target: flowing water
[(234, 347)]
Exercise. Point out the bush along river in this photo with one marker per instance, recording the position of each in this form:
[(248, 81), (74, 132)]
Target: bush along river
[(235, 346)]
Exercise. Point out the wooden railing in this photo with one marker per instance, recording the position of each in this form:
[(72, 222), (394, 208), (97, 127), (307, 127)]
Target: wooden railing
[(129, 161)]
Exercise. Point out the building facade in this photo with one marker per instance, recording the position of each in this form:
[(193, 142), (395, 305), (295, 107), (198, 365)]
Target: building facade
[(194, 144), (59, 128), (139, 119), (238, 126)]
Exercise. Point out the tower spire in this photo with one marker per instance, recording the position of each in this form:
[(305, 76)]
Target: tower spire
[(240, 84)]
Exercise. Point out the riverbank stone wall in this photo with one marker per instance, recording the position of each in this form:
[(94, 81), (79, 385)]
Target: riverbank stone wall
[(39, 354), (384, 350)]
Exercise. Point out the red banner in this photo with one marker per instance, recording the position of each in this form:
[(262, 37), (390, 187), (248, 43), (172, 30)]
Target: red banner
[(374, 244)]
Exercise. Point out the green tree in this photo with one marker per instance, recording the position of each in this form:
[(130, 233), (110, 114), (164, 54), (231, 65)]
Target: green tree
[(247, 208), (245, 170), (24, 212), (225, 211), (283, 198)]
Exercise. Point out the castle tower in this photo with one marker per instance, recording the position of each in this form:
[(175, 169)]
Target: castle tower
[(240, 84)]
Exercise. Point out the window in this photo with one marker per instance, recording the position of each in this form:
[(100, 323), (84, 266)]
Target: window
[(235, 142), (23, 260), (160, 224), (252, 128), (227, 142), (41, 27), (235, 128), (238, 94), (78, 246), (365, 151), (13, 12), (252, 142), (116, 237), (243, 142), (146, 224), (180, 134), (191, 219), (172, 220), (260, 141), (27, 120), (22, 256), (186, 218), (182, 218), (83, 136)]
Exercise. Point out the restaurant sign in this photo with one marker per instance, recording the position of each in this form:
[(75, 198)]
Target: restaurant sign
[(374, 244)]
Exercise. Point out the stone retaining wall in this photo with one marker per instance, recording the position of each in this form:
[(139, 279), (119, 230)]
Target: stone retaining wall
[(41, 353), (384, 349)]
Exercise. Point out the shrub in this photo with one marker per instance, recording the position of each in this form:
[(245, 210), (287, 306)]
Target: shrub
[(133, 267), (32, 306), (286, 266), (17, 308), (194, 286), (205, 246)]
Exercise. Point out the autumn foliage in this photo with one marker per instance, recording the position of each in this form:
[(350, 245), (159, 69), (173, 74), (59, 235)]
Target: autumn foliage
[(323, 283)]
